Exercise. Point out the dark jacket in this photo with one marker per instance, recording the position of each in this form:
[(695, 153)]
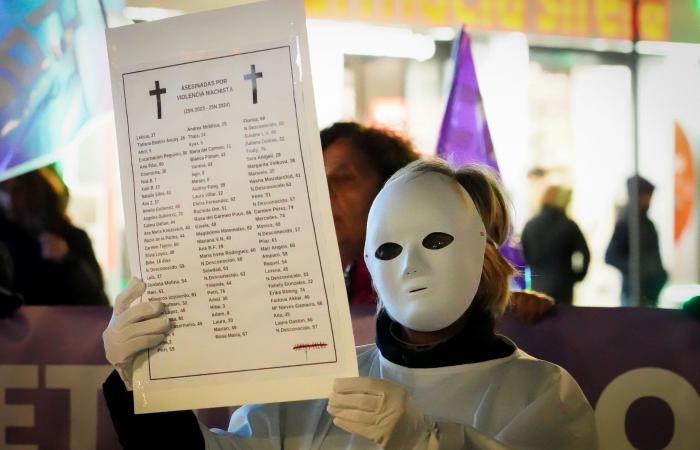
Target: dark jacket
[(137, 431), (549, 241), (653, 276)]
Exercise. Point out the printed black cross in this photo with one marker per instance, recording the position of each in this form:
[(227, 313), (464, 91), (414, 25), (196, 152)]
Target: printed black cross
[(157, 92), (253, 77)]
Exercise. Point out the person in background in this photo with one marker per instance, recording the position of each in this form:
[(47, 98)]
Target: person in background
[(554, 247), (438, 376), (54, 263), (653, 276), (358, 161)]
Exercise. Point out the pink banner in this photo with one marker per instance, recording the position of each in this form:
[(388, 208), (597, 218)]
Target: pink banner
[(640, 368)]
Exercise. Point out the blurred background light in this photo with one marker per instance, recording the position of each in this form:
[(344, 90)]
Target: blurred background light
[(353, 38), (659, 48), (673, 296), (146, 14), (443, 33)]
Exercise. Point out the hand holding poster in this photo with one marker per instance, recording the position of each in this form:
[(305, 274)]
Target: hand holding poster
[(227, 212)]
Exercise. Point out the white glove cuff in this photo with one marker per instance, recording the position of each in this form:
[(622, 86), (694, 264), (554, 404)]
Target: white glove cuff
[(445, 435), (416, 437), (125, 375)]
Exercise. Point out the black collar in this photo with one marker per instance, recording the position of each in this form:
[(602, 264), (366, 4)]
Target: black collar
[(476, 342)]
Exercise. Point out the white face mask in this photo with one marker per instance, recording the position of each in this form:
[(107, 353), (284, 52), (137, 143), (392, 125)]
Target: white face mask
[(425, 250)]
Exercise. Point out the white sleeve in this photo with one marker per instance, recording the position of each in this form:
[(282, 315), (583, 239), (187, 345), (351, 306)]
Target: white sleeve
[(559, 418), (252, 427)]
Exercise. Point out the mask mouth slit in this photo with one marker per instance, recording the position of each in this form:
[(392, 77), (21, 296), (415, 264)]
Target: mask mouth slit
[(417, 290)]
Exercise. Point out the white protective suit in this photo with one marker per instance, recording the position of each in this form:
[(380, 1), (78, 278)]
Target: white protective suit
[(516, 402)]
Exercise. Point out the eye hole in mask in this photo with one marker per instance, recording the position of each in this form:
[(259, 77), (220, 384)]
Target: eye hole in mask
[(388, 250), (437, 240)]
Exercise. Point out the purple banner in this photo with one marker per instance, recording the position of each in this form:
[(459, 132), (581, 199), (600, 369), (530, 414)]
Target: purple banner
[(640, 369), (464, 134), (52, 366)]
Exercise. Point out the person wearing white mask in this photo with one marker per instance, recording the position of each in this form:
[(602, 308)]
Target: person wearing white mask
[(438, 376)]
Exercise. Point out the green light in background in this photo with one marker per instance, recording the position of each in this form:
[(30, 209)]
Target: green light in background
[(692, 301), (123, 283), (528, 278), (692, 306)]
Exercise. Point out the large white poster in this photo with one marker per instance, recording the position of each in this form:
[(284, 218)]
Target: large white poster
[(227, 211)]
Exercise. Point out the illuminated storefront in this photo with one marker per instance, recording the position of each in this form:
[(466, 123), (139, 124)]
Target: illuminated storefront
[(556, 78)]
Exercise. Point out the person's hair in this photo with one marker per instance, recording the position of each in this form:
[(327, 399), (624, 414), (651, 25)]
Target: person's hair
[(482, 185), (45, 198), (640, 184), (557, 197), (384, 150)]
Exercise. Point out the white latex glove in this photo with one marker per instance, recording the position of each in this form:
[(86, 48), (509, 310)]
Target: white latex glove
[(379, 410), (133, 329)]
